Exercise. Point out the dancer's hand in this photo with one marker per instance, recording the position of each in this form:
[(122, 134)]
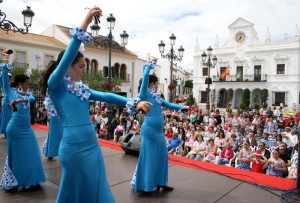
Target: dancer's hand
[(5, 57), (89, 17), (144, 106), (153, 59)]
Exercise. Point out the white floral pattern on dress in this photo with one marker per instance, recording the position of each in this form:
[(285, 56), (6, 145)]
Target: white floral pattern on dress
[(44, 147), (78, 88), (20, 93), (8, 181), (131, 105), (80, 34), (49, 105)]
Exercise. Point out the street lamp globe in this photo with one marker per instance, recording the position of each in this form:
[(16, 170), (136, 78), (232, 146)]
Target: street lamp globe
[(161, 46), (111, 22), (172, 39), (28, 15), (180, 51), (124, 38), (214, 59), (209, 50), (95, 29)]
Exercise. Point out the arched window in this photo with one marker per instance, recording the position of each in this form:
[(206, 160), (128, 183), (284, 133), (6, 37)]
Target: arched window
[(115, 70), (87, 65), (94, 66), (123, 72), (105, 71)]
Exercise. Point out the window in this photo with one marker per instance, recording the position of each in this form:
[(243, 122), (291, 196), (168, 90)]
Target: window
[(205, 72), (257, 73), (94, 66), (20, 60), (123, 72), (239, 73), (105, 71), (203, 98), (279, 97), (280, 68)]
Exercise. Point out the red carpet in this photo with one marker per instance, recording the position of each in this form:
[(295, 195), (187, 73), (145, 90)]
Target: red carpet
[(248, 176)]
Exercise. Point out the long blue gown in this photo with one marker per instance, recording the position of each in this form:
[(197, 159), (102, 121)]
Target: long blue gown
[(152, 166), (51, 145), (6, 112), (23, 166), (83, 171)]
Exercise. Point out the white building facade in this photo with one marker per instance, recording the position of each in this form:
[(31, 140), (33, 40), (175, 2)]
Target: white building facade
[(245, 62), (35, 51)]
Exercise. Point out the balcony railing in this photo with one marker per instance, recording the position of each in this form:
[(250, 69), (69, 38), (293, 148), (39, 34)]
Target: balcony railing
[(20, 65), (244, 78)]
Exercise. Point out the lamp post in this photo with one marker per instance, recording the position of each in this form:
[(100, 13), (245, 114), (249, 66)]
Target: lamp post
[(209, 65), (108, 42), (10, 26), (171, 56)]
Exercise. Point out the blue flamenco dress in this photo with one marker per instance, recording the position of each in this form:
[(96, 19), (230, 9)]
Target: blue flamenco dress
[(152, 166), (23, 166), (51, 145), (6, 112), (83, 171)]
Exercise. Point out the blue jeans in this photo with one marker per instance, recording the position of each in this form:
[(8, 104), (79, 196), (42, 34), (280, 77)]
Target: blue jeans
[(196, 156), (223, 161)]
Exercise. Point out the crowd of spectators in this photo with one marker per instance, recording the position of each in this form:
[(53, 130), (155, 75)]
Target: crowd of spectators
[(258, 141)]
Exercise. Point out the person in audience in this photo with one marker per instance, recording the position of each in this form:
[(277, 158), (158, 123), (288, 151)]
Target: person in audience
[(258, 161), (211, 151), (198, 149), (283, 155), (275, 166), (293, 172), (221, 139), (243, 157), (226, 154), (173, 143)]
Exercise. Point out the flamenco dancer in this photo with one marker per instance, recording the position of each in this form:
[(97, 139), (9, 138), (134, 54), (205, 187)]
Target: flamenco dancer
[(152, 168), (51, 145), (83, 172), (23, 166), (6, 112)]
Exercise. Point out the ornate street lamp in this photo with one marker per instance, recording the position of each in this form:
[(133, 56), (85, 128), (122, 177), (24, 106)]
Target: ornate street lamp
[(171, 56), (10, 26), (108, 42), (209, 65)]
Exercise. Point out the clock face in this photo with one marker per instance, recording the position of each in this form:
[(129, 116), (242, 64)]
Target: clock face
[(240, 37)]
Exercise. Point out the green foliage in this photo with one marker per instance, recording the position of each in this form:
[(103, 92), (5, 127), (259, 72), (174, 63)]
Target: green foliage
[(264, 97), (190, 101), (243, 106), (97, 80), (188, 83), (229, 96), (246, 97), (34, 78)]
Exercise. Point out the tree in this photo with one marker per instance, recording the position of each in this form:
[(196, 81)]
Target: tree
[(264, 97), (229, 96), (246, 99), (190, 101), (97, 81), (188, 83)]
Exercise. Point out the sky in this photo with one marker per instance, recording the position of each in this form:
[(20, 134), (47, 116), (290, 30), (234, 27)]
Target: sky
[(149, 22)]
